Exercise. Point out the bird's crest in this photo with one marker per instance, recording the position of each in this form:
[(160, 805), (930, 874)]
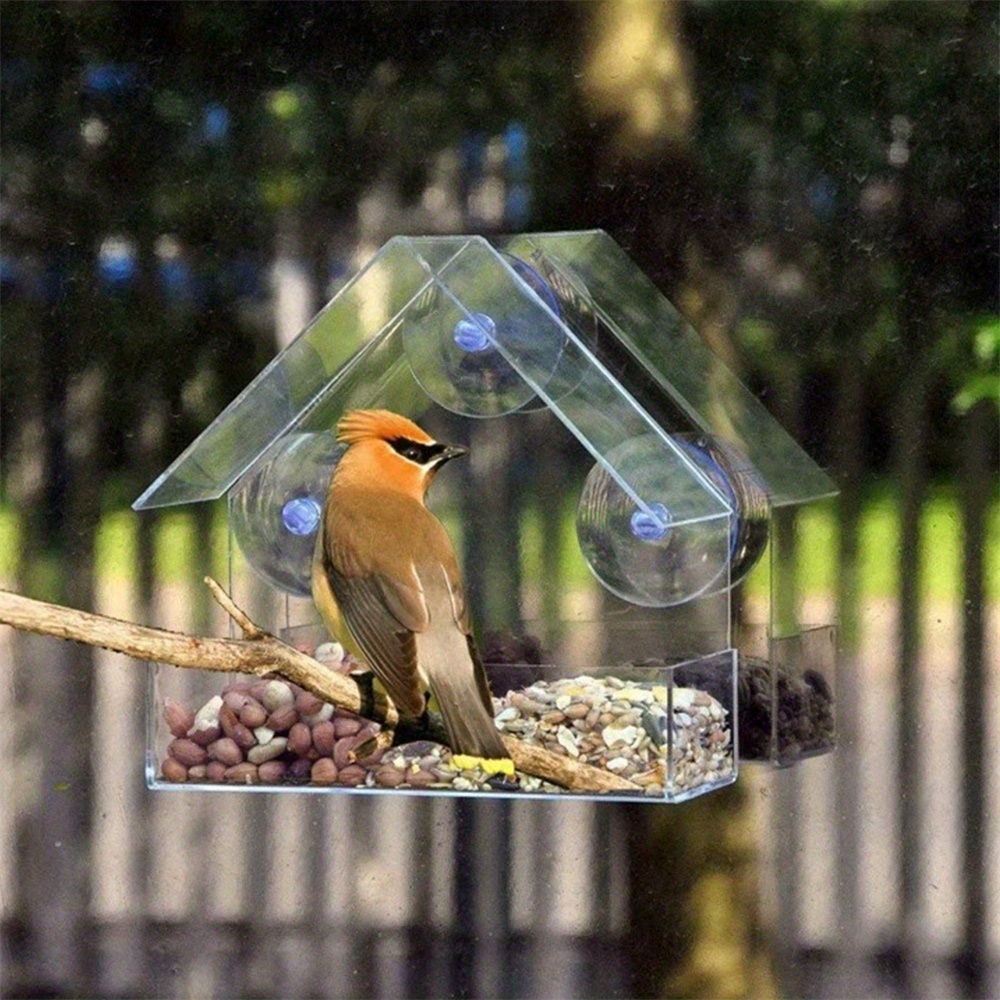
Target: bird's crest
[(361, 425)]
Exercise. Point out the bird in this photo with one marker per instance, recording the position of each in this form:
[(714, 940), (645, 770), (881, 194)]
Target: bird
[(386, 582)]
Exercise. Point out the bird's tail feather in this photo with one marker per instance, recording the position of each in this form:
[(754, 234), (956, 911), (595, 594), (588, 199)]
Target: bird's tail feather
[(471, 729), (458, 684)]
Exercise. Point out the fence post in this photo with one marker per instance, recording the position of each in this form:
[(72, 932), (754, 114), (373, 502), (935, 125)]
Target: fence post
[(912, 484), (849, 445), (977, 483)]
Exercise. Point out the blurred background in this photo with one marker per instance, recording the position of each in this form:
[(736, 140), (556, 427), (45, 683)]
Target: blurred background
[(815, 185)]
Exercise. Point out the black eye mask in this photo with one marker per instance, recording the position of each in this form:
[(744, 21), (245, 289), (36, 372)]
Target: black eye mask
[(422, 454)]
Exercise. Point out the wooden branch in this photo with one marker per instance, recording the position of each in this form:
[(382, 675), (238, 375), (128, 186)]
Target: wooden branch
[(565, 771), (261, 653), (259, 656)]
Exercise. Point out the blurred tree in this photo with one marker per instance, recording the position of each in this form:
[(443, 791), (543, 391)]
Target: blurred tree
[(170, 141)]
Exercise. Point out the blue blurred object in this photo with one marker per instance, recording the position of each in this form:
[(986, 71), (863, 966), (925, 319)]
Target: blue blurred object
[(117, 264), (473, 155), (8, 273), (473, 336), (536, 282), (215, 123), (822, 196), (516, 141), (300, 515), (649, 528), (175, 278), (517, 208), (243, 277), (110, 79)]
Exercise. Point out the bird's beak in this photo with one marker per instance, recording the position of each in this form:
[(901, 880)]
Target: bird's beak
[(452, 451)]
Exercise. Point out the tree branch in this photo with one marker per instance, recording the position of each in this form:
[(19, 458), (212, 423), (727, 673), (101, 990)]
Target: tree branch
[(261, 653)]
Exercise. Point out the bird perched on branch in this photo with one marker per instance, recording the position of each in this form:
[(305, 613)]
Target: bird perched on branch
[(385, 580)]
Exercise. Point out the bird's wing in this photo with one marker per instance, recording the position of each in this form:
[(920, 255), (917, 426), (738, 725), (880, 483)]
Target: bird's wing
[(382, 616)]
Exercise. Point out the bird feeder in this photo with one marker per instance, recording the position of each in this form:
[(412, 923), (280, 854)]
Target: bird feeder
[(626, 521)]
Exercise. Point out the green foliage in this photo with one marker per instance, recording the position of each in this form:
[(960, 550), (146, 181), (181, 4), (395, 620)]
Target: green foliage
[(116, 553), (878, 547), (983, 382), (10, 548)]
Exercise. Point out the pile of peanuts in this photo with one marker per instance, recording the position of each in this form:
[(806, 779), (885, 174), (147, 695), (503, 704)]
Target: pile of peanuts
[(268, 732)]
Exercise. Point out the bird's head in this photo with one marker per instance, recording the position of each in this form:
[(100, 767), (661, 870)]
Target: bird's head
[(392, 450)]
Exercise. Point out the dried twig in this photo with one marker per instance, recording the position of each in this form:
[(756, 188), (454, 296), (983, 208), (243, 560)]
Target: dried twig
[(249, 629), (261, 653)]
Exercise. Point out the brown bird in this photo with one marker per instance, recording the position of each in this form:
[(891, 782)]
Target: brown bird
[(386, 582)]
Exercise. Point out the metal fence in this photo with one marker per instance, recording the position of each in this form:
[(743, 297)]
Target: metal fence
[(879, 868)]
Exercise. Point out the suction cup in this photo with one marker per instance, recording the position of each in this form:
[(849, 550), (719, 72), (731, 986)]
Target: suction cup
[(663, 553), (746, 491), (472, 363), (275, 511), (575, 308)]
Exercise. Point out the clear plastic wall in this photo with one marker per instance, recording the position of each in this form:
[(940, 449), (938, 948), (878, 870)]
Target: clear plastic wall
[(619, 485)]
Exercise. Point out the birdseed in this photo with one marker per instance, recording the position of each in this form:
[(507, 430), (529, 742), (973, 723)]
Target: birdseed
[(662, 741)]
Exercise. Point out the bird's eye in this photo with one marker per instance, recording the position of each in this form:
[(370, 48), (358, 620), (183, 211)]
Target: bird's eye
[(412, 450), (416, 451)]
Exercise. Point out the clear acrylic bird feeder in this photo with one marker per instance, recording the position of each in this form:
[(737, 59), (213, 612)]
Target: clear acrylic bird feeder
[(625, 520)]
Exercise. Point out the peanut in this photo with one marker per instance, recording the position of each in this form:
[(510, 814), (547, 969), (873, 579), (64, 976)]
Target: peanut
[(179, 718), (271, 772), (324, 736), (282, 718), (242, 774), (299, 739), (226, 751), (187, 752), (353, 774), (253, 714), (324, 772), (346, 725), (173, 770), (243, 737)]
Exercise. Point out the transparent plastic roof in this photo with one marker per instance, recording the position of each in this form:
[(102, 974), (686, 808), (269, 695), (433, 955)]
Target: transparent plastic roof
[(675, 357), (270, 404), (481, 333)]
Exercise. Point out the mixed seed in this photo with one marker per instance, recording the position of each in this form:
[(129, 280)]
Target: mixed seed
[(622, 726)]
